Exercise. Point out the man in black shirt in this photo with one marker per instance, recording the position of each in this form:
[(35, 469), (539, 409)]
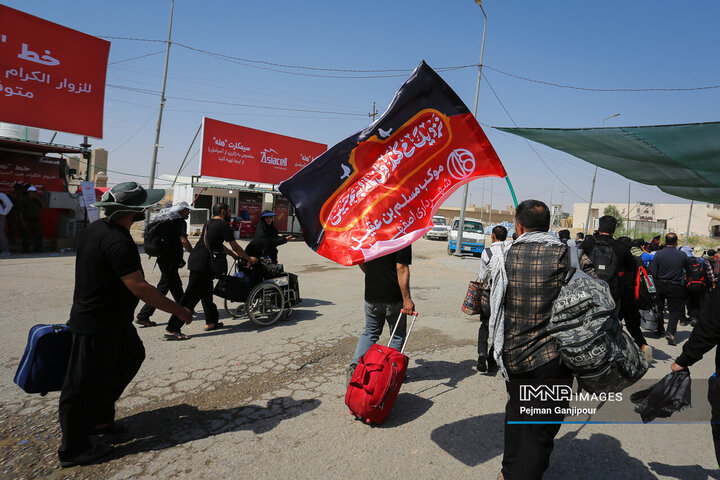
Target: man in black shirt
[(704, 337), (170, 261), (387, 293), (668, 269), (206, 262), (106, 350), (619, 274)]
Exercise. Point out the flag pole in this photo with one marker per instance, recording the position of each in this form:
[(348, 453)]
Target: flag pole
[(466, 187)]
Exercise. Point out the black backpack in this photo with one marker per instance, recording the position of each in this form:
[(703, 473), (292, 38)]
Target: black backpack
[(158, 236), (695, 279), (605, 262)]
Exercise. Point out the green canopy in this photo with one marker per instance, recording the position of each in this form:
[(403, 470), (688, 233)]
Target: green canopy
[(682, 160)]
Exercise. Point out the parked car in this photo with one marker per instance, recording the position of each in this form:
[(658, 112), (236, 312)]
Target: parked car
[(440, 229), (473, 237)]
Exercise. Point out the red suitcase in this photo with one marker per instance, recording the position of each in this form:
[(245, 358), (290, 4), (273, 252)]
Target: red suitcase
[(377, 379)]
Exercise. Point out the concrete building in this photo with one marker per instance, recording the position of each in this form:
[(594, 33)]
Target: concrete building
[(474, 211), (657, 217)]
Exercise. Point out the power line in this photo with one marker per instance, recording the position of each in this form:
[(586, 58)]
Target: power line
[(136, 133), (587, 89), (531, 147), (247, 105), (399, 71), (135, 58)]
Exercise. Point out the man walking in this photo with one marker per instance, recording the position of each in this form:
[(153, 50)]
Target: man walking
[(6, 206), (521, 301), (387, 293), (704, 337), (614, 263), (171, 259), (667, 268), (30, 207), (106, 350), (207, 262), (498, 247)]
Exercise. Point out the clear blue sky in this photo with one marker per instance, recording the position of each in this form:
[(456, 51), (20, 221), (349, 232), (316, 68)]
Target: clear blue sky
[(604, 45)]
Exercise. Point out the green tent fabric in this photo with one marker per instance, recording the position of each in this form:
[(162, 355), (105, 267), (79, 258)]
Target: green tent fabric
[(682, 160)]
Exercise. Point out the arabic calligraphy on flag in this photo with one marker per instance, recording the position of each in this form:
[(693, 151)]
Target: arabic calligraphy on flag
[(376, 191), (47, 71)]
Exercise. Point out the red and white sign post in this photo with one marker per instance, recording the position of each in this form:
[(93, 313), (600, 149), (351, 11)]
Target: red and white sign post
[(241, 153), (51, 76)]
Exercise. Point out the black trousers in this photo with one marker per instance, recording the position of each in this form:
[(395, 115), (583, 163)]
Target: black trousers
[(630, 314), (102, 364), (483, 333), (674, 294), (199, 289), (169, 282), (714, 399), (695, 301), (31, 232), (528, 447)]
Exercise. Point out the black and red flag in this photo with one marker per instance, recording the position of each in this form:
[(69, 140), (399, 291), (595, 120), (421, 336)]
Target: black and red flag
[(376, 191)]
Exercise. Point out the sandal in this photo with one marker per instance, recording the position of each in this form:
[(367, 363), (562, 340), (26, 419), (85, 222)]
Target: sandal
[(214, 326), (175, 336), (145, 322)]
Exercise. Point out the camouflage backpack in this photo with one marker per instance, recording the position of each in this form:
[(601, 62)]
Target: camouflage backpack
[(589, 336)]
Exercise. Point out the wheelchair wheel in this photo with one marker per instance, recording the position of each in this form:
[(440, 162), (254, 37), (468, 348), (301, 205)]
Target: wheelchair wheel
[(235, 309), (265, 304)]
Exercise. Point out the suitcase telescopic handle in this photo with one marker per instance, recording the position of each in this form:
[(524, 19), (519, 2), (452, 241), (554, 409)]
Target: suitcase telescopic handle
[(407, 334)]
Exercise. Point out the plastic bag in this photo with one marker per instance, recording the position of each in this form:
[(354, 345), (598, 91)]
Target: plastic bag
[(669, 395)]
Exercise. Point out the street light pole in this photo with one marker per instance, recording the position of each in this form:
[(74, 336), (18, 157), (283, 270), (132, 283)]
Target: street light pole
[(592, 190), (466, 187)]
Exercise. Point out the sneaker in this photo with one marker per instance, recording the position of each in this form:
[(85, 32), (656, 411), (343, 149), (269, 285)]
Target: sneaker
[(670, 339), (89, 455), (349, 373), (647, 352), (482, 363)]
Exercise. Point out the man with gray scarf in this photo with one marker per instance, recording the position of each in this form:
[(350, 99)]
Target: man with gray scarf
[(526, 283), (106, 350)]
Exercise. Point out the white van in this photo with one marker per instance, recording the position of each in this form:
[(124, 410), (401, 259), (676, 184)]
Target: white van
[(440, 228), (473, 238)]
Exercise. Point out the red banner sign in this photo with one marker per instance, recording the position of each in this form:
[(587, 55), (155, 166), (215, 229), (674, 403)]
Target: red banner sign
[(42, 173), (51, 76), (241, 153)]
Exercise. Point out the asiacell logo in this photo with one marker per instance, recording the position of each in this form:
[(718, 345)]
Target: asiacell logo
[(270, 157)]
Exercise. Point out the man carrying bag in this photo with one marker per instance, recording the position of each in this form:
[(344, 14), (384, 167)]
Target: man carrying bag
[(206, 262)]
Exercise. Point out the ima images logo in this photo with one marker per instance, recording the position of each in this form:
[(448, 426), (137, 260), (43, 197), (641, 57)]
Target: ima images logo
[(544, 393)]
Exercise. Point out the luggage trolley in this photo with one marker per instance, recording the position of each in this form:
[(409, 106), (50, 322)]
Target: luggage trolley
[(262, 293)]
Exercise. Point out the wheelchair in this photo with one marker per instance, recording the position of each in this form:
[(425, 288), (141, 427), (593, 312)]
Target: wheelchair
[(263, 293)]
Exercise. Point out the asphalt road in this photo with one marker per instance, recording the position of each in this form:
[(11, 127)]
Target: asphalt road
[(268, 403)]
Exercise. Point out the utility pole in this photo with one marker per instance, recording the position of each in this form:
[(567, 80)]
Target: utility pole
[(153, 166), (687, 233), (466, 187), (627, 222), (482, 202), (374, 113), (491, 200), (86, 155)]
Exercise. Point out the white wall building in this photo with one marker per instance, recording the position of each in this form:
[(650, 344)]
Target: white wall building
[(675, 215)]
